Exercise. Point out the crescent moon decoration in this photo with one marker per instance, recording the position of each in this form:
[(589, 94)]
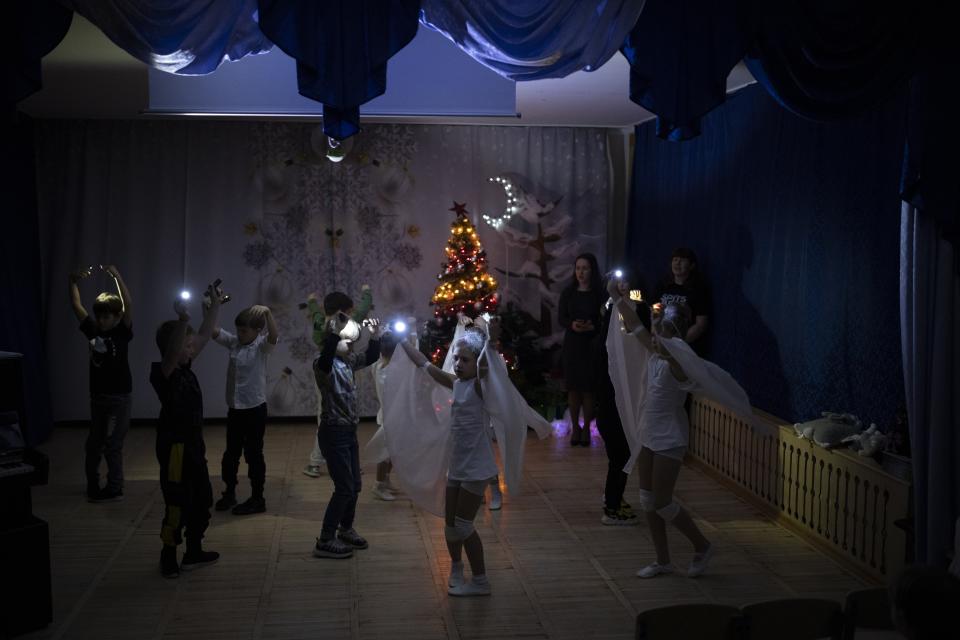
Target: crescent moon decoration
[(513, 202)]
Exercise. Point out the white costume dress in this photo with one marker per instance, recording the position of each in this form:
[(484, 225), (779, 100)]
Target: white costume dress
[(644, 395), (419, 433)]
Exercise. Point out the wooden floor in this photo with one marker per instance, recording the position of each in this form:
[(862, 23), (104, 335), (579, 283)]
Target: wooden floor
[(556, 571)]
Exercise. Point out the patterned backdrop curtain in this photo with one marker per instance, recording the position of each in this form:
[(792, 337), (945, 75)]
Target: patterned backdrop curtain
[(258, 204)]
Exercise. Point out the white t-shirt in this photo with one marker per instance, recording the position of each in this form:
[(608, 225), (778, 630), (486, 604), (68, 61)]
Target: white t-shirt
[(664, 423), (247, 370)]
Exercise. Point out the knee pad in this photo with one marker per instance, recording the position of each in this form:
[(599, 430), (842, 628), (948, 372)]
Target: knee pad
[(464, 527), (646, 500), (451, 534), (669, 512)]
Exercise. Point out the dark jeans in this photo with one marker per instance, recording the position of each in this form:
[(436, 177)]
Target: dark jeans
[(618, 449), (338, 443), (187, 494), (245, 429), (109, 423)]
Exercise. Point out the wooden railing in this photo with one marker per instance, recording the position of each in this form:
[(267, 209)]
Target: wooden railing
[(844, 503)]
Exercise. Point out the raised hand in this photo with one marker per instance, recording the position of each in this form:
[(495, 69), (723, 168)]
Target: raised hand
[(180, 307), (613, 287), (112, 270)]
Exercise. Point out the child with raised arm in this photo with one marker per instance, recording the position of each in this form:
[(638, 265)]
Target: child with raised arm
[(109, 332), (337, 433), (665, 369), (181, 451), (319, 319), (246, 405), (472, 464)]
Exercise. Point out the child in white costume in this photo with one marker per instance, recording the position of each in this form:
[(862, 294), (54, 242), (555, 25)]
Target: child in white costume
[(465, 324), (652, 375), (444, 459), (376, 448)]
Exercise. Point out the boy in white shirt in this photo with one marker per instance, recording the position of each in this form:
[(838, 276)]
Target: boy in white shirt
[(247, 405)]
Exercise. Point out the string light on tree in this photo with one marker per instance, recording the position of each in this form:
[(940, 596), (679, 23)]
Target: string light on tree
[(513, 203), (465, 285)]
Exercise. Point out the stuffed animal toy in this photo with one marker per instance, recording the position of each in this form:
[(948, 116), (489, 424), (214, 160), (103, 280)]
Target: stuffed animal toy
[(830, 430), (871, 442)]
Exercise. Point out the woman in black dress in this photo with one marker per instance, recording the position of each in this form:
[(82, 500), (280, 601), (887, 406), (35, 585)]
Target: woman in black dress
[(579, 315)]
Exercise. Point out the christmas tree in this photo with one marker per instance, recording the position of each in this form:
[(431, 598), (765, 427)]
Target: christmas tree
[(465, 285)]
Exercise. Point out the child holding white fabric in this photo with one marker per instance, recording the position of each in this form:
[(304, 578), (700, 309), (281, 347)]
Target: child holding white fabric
[(472, 465), (383, 490), (663, 432)]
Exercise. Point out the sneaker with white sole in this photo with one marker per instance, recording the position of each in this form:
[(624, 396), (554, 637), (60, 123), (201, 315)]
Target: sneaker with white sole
[(456, 575), (700, 561), (619, 518), (332, 548), (312, 470), (470, 588), (656, 569), (382, 492), (352, 538)]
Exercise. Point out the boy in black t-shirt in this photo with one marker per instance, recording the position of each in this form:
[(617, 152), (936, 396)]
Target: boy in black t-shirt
[(181, 452), (109, 332), (686, 286)]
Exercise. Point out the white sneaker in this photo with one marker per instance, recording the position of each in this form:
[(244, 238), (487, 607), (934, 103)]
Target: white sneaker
[(456, 578), (655, 569), (312, 470), (470, 588), (700, 560), (496, 498), (382, 492)]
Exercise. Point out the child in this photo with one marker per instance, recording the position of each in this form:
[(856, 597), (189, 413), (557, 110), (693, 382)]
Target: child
[(109, 333), (663, 432), (377, 445), (246, 405), (181, 452), (319, 319), (337, 433), (472, 465)]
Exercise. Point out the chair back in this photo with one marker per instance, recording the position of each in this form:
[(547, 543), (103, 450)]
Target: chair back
[(793, 619), (689, 621), (866, 609)]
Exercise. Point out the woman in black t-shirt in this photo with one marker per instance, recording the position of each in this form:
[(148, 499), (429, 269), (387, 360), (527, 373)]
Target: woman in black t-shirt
[(579, 314)]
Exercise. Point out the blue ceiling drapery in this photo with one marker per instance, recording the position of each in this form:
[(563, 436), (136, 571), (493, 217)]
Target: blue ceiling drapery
[(535, 39), (341, 49)]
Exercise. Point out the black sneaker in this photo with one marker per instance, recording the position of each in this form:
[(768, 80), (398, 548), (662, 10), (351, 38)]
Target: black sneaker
[(251, 505), (619, 518), (169, 567), (352, 538), (196, 559), (332, 548), (228, 500), (106, 495)]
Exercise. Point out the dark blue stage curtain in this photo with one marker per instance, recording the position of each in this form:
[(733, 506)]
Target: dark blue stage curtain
[(680, 55), (341, 48), (21, 309), (797, 227)]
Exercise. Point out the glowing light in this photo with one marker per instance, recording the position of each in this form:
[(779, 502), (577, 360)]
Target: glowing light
[(618, 273), (400, 326), (184, 295)]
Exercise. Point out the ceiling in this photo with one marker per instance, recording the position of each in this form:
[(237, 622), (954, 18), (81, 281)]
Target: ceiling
[(87, 76)]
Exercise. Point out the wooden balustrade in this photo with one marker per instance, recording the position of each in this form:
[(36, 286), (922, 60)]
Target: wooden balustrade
[(843, 502)]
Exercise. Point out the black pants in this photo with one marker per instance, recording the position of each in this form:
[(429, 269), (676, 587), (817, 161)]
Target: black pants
[(245, 428), (338, 443), (618, 450), (187, 494)]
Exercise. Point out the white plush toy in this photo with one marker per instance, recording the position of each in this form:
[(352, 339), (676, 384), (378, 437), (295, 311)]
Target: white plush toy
[(830, 430), (871, 441)]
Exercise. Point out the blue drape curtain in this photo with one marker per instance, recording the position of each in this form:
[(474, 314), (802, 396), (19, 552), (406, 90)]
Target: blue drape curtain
[(796, 226), (535, 39), (341, 49)]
